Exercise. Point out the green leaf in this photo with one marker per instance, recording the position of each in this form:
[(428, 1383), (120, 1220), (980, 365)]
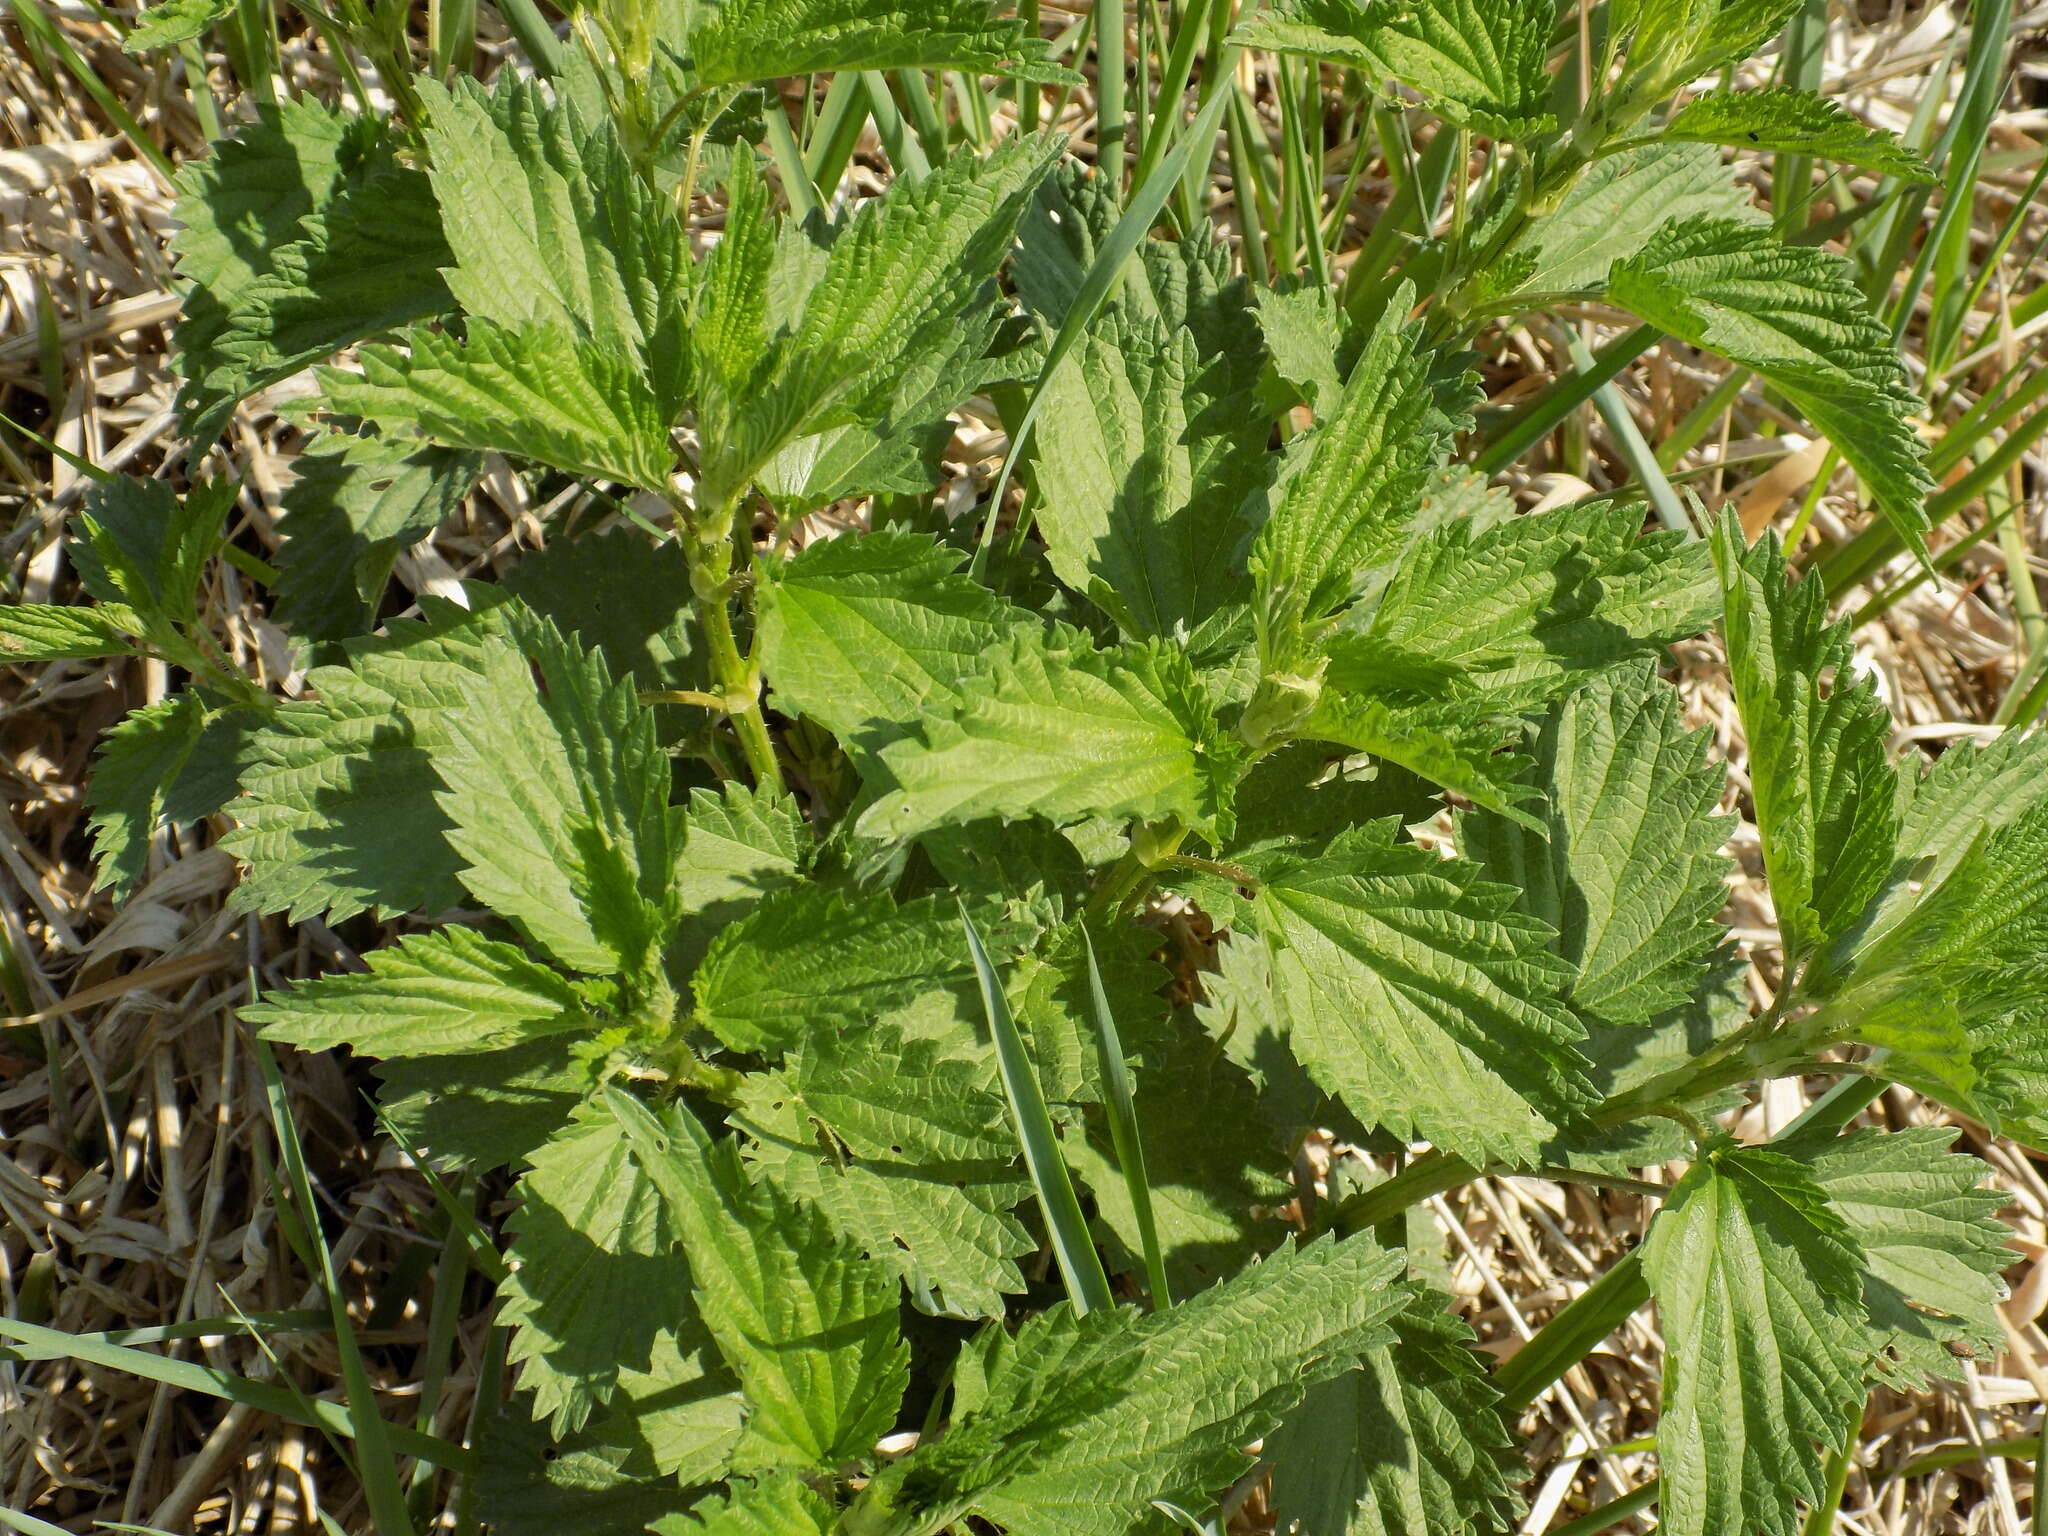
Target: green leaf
[(865, 635), (170, 22), (430, 994), (533, 391), (1409, 1444), (357, 504), (557, 792), (554, 229), (1030, 867), (1933, 1249), (1971, 785), (1957, 989), (1060, 730), (145, 547), (1349, 488), (1824, 791), (1522, 610), (893, 445), (670, 1426), (1480, 625), (1077, 1424), (1150, 437), (31, 632), (1614, 208), (738, 845), (900, 274), (1297, 798), (1049, 994), (530, 1483), (1680, 40), (1480, 64), (906, 1149), (779, 1505), (488, 1110), (807, 1324), (849, 312), (767, 39), (1794, 122), (246, 200), (338, 810), (1629, 873), (366, 263), (595, 1277), (1627, 1056), (1794, 314), (1211, 1159), (1303, 328), (1759, 1285), (624, 598), (144, 777), (1411, 988), (810, 962), (1455, 743)]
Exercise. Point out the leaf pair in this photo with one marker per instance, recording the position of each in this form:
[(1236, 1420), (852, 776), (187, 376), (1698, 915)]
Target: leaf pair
[(826, 350), (572, 279), (1783, 1279), (302, 234), (436, 758), (1481, 65)]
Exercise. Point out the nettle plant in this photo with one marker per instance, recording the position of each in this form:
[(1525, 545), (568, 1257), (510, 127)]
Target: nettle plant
[(899, 973)]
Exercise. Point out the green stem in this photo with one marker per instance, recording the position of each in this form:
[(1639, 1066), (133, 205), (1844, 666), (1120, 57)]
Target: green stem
[(709, 546), (1611, 1514), (796, 181), (2026, 1448), (1111, 128), (740, 680), (1570, 1336), (542, 48), (1820, 1517), (1433, 1173)]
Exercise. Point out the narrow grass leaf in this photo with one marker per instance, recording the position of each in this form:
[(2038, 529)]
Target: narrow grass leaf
[(1080, 1264)]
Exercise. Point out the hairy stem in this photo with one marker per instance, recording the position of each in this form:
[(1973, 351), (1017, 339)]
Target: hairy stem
[(709, 545)]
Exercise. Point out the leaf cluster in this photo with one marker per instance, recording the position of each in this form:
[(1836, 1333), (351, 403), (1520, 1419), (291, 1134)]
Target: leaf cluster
[(790, 927)]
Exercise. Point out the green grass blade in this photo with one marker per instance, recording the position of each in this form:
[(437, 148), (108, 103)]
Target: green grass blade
[(1080, 1264), (1610, 1514), (1173, 80), (32, 1342), (222, 1327), (2024, 1448), (29, 1525), (789, 162), (482, 1252), (1568, 1337), (1123, 1124), (1112, 134), (37, 26), (1629, 438), (543, 49), (835, 131), (439, 1357), (382, 1489), (1558, 399), (1103, 275), (923, 112), (904, 149), (490, 1379), (452, 26)]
